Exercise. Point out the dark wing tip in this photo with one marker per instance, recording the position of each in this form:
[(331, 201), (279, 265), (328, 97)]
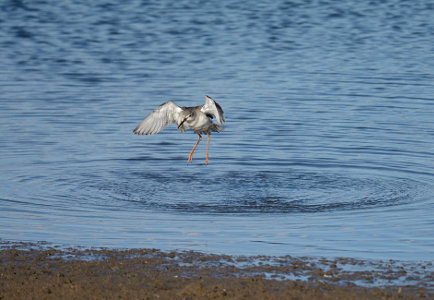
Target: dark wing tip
[(218, 106), (137, 131)]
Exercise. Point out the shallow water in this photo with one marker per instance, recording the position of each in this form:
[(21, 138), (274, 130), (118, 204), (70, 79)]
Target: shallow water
[(328, 148)]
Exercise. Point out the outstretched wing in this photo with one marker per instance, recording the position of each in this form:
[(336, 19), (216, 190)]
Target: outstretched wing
[(165, 114), (213, 108)]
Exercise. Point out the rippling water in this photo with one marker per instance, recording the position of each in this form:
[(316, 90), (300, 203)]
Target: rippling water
[(328, 148)]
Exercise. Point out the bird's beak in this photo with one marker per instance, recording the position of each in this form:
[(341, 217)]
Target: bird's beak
[(183, 122)]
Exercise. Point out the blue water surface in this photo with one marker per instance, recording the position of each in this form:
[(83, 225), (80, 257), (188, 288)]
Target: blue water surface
[(329, 142)]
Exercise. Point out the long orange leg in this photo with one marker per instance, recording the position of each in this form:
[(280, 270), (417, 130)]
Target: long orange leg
[(207, 146), (190, 158)]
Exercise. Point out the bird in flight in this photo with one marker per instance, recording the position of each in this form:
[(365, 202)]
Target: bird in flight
[(197, 118)]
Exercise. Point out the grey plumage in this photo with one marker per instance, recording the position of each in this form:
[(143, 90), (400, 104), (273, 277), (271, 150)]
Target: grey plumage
[(196, 118)]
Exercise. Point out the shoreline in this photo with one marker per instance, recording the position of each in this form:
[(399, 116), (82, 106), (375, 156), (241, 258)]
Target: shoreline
[(37, 270)]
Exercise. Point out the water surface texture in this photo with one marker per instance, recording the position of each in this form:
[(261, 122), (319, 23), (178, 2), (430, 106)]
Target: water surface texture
[(329, 142)]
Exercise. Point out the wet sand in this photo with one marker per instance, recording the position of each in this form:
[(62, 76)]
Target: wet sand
[(43, 272)]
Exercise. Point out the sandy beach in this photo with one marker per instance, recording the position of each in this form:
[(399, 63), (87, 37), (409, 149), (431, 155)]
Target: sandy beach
[(34, 271)]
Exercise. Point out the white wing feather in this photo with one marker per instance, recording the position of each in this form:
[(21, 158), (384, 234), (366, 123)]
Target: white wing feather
[(165, 114), (213, 108)]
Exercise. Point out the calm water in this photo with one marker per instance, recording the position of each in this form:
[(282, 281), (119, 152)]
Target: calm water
[(329, 141)]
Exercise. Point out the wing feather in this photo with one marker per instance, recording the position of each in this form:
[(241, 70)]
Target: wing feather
[(213, 108), (165, 114)]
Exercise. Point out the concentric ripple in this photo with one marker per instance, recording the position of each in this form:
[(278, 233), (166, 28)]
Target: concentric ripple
[(265, 192)]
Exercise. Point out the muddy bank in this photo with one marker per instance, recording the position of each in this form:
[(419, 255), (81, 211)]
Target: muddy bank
[(44, 272)]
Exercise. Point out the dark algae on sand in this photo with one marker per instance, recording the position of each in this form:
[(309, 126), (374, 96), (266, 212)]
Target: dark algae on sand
[(31, 271)]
